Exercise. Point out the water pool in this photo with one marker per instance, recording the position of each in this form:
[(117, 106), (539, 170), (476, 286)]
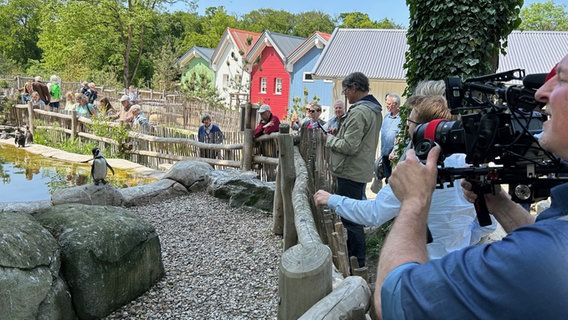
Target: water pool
[(29, 177)]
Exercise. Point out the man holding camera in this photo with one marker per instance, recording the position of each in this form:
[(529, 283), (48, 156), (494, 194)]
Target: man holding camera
[(523, 276)]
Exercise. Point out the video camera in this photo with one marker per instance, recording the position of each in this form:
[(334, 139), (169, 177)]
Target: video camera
[(498, 133)]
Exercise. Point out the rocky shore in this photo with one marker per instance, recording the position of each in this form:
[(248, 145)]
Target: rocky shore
[(220, 262)]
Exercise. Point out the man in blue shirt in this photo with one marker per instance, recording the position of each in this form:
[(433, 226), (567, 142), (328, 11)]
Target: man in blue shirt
[(389, 130), (524, 276)]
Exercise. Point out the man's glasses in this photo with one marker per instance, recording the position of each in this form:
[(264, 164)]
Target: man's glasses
[(343, 90), (409, 121), (312, 111)]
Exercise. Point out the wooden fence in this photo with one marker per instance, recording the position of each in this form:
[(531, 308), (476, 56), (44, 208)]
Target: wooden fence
[(313, 238), (162, 146)]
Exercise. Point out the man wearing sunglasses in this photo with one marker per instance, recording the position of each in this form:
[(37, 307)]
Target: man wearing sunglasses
[(314, 121)]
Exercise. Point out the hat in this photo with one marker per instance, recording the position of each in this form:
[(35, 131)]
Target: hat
[(124, 98), (53, 78), (263, 108), (38, 78)]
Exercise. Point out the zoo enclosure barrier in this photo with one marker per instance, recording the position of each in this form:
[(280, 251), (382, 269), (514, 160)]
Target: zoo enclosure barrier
[(162, 146), (314, 240)]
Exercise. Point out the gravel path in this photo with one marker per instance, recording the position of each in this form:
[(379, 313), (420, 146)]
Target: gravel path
[(220, 262)]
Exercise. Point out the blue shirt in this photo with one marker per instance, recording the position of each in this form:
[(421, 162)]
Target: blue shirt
[(389, 129), (452, 219), (523, 276)]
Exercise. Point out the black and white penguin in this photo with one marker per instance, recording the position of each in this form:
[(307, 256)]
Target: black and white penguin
[(99, 167), (20, 140), (29, 136)]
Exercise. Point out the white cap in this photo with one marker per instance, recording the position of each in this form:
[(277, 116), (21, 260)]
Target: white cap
[(124, 98), (263, 108)]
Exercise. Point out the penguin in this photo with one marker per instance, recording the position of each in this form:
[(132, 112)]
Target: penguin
[(29, 136), (99, 167), (20, 140)]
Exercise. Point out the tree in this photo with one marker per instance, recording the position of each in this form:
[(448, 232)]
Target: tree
[(166, 69), (356, 20), (268, 19), (19, 29), (544, 17), (306, 23)]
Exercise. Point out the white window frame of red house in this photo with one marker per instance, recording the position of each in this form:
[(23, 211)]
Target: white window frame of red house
[(263, 84), (278, 86)]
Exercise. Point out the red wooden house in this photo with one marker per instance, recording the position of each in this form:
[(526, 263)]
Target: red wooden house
[(270, 82)]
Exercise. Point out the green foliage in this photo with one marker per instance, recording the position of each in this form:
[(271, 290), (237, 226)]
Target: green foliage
[(19, 30), (103, 127), (375, 240), (166, 69), (306, 23), (545, 16), (457, 38), (199, 84), (44, 137), (358, 19), (299, 104), (268, 19)]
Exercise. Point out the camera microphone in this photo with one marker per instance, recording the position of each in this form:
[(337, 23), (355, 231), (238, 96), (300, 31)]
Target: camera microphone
[(534, 81)]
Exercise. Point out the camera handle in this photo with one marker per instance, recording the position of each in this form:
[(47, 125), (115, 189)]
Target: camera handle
[(480, 206)]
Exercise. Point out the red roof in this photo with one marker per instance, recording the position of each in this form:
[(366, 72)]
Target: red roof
[(240, 37)]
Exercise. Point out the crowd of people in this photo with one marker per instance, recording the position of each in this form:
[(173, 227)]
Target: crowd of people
[(85, 102)]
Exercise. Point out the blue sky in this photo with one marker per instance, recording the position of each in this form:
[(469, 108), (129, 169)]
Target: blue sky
[(396, 10)]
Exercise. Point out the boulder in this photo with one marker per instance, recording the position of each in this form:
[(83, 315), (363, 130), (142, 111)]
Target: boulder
[(109, 256), (103, 195), (153, 192), (29, 207), (191, 174), (241, 189), (30, 282)]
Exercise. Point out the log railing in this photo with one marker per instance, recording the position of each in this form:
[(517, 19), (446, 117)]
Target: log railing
[(259, 155), (313, 239)]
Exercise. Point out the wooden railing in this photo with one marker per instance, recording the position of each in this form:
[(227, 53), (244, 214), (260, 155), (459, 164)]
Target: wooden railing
[(161, 146), (313, 238)]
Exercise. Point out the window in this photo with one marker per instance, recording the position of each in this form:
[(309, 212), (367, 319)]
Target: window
[(278, 86), (225, 80), (262, 85), (308, 77)]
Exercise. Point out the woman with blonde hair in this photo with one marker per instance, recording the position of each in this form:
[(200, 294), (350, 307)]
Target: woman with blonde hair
[(70, 103)]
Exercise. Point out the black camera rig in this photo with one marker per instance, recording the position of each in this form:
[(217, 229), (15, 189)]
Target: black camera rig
[(498, 132)]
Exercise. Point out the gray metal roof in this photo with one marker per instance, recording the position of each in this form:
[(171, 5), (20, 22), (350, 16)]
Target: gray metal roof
[(534, 51), (378, 53), (283, 43), (203, 52)]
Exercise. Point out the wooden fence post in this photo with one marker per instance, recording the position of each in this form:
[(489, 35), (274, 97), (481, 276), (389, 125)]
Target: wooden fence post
[(74, 122), (285, 181), (31, 117), (305, 278)]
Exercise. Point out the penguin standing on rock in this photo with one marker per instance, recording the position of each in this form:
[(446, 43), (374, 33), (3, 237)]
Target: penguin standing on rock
[(99, 167)]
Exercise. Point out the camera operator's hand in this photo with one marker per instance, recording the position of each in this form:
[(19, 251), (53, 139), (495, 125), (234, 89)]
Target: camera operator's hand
[(321, 197), (413, 181), (509, 214)]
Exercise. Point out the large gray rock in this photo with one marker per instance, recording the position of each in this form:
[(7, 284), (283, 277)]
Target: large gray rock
[(191, 174), (29, 207), (241, 189), (30, 285), (153, 192), (109, 255), (103, 195)]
